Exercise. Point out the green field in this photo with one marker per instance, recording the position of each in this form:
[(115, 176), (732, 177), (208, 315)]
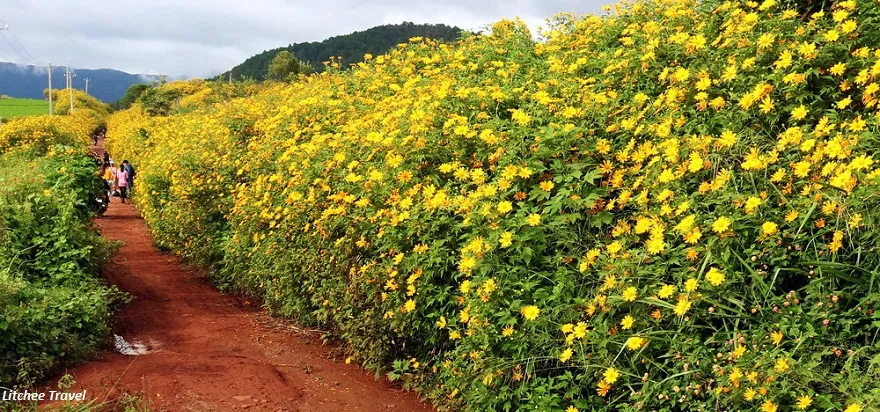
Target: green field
[(12, 107)]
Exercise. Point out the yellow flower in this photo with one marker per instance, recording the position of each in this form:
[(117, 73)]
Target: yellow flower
[(682, 306), (409, 306), (566, 355), (693, 236), (506, 239), (630, 294), (611, 375), (799, 113), (781, 365), (635, 342), (853, 407), (534, 219), (681, 74), (768, 406), (627, 322), (441, 323), (831, 35), (715, 277), (776, 337), (804, 402), (546, 185), (738, 351), (507, 331), (571, 409), (521, 118), (614, 247), (666, 291), (691, 285), (530, 312), (603, 146), (504, 207), (752, 204), (855, 220), (791, 216), (750, 394), (695, 162), (769, 228), (721, 225)]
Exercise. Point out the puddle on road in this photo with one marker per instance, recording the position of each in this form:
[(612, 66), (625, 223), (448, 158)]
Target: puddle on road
[(135, 347)]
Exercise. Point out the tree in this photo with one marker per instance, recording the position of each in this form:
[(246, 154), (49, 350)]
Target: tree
[(351, 48), (158, 101), (131, 95), (285, 66)]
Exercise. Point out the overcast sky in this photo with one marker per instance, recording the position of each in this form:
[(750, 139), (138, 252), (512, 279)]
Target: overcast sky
[(205, 37)]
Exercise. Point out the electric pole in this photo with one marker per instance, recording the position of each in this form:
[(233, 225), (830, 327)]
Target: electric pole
[(50, 89), (70, 88), (87, 84), (230, 76)]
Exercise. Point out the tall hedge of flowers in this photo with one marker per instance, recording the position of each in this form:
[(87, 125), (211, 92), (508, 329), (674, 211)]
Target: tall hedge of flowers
[(669, 207), (54, 311)]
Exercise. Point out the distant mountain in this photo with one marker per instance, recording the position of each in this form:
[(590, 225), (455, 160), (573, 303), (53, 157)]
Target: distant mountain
[(29, 81), (351, 47)]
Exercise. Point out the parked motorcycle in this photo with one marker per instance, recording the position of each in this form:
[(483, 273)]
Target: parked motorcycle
[(101, 202)]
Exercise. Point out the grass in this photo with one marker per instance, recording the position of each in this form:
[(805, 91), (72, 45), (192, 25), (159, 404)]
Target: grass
[(13, 107)]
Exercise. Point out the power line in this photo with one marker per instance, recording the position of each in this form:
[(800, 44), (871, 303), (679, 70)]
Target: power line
[(4, 27), (25, 59), (22, 45), (15, 49)]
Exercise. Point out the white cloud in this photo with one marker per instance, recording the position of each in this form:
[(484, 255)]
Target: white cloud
[(204, 37)]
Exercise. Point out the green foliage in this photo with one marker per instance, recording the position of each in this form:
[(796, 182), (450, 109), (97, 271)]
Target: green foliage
[(158, 101), (350, 47), (131, 96), (53, 309), (285, 66)]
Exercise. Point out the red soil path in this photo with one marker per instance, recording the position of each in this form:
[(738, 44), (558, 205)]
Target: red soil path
[(213, 352)]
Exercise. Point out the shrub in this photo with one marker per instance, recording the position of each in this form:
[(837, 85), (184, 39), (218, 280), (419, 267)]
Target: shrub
[(666, 208), (53, 309)]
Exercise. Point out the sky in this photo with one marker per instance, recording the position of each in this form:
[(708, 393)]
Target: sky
[(199, 38)]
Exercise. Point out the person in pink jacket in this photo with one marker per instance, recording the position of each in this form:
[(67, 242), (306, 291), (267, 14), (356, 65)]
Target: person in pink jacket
[(122, 182)]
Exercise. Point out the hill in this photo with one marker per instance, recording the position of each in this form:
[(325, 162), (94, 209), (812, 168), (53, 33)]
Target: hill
[(29, 81), (351, 47)]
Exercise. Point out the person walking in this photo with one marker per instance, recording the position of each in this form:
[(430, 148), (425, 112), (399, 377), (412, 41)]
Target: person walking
[(122, 181), (129, 169), (114, 173), (108, 177)]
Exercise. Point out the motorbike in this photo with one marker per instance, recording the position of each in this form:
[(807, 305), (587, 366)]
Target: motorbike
[(100, 203)]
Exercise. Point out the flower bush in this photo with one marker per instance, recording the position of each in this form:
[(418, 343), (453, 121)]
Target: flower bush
[(53, 309), (669, 207)]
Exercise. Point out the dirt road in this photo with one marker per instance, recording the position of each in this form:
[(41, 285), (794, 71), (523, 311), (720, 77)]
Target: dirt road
[(191, 348)]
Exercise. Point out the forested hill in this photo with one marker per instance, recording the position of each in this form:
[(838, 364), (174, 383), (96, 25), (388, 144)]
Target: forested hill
[(351, 47)]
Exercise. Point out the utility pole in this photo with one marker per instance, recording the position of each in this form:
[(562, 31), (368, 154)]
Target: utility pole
[(87, 84), (230, 76), (70, 88), (50, 89)]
